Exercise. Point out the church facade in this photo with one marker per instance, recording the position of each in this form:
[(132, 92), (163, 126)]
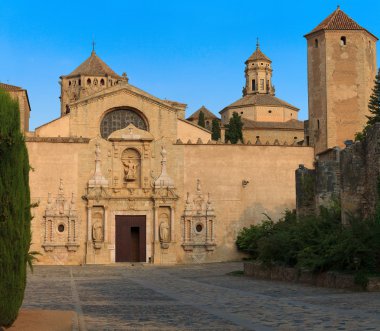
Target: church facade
[(122, 176)]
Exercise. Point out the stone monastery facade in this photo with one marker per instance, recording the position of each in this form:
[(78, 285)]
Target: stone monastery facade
[(122, 176)]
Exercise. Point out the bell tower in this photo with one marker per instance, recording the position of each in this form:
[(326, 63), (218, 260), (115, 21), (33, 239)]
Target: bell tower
[(258, 73), (341, 61)]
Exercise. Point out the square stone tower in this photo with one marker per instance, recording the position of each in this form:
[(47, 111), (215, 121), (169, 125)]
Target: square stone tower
[(341, 73)]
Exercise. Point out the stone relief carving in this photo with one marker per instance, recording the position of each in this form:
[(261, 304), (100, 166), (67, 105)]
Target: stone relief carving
[(61, 222), (131, 160), (198, 224)]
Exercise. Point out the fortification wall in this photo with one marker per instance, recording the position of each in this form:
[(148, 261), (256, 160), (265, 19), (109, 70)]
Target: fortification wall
[(350, 175)]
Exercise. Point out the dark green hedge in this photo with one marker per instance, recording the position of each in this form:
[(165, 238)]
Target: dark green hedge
[(317, 243), (15, 214)]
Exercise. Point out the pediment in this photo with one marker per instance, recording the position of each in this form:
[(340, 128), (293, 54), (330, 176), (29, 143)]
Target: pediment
[(126, 88), (131, 133)]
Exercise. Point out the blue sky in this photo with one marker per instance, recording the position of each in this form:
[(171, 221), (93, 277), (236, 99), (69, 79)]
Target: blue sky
[(187, 51)]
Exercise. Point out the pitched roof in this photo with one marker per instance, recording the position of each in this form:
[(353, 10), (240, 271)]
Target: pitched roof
[(291, 124), (11, 88), (258, 55), (93, 66), (259, 100), (338, 20), (205, 111)]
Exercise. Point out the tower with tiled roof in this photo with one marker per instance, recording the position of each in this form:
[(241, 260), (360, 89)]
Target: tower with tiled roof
[(258, 73), (90, 77), (341, 72)]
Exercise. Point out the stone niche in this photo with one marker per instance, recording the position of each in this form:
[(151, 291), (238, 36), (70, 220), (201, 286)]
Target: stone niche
[(131, 160), (61, 223), (98, 226), (198, 224), (164, 226)]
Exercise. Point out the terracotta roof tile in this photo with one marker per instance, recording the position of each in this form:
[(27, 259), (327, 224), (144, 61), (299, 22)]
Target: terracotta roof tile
[(208, 114), (259, 100), (8, 87), (338, 20), (258, 55), (93, 66)]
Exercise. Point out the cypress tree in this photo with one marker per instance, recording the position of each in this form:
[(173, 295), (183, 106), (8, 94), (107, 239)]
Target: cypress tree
[(234, 130), (374, 102), (15, 216), (201, 119), (215, 135)]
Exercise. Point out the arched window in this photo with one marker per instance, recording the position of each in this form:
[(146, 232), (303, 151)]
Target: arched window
[(343, 41), (119, 119), (79, 82), (316, 43), (69, 82), (102, 81), (89, 81)]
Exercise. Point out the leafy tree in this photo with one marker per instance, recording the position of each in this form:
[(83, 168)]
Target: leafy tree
[(15, 213), (234, 130), (374, 102), (201, 119), (215, 130)]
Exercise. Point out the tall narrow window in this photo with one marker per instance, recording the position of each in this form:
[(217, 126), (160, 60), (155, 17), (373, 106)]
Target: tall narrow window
[(318, 124), (343, 41), (261, 84), (316, 43), (253, 85)]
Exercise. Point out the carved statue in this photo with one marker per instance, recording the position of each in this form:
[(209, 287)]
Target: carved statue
[(164, 232), (97, 231), (130, 170)]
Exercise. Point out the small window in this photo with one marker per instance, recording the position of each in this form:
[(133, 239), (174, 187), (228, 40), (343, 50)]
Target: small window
[(343, 41), (253, 85), (257, 137), (316, 43), (241, 113), (199, 227), (295, 138), (269, 111), (69, 82), (262, 63), (95, 81), (79, 82), (318, 125), (89, 81), (61, 228), (102, 81), (291, 114)]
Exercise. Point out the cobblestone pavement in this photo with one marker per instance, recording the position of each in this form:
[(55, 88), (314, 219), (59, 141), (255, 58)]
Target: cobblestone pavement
[(194, 297)]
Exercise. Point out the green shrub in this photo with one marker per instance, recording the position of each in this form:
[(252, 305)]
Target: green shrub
[(14, 211), (317, 243)]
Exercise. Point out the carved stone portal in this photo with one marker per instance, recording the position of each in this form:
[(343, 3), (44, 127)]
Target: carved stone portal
[(198, 223), (61, 222)]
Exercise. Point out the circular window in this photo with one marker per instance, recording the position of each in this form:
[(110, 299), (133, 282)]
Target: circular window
[(119, 119), (199, 227), (61, 228)]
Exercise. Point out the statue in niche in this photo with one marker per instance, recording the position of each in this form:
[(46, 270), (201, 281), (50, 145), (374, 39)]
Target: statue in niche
[(164, 232), (130, 170), (97, 231)]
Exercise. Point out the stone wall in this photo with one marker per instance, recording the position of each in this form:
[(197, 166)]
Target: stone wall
[(349, 175), (328, 279)]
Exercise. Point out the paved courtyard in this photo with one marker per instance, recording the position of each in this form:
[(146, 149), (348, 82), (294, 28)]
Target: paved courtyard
[(194, 297)]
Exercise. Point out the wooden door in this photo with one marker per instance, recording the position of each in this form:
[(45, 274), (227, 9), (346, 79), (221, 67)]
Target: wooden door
[(130, 237)]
